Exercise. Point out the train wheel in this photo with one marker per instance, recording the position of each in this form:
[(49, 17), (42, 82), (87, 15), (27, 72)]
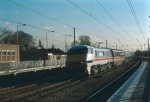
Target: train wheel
[(105, 67), (99, 68), (96, 69), (92, 71), (109, 65)]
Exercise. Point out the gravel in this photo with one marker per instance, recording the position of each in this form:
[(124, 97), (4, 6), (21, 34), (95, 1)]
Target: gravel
[(86, 87)]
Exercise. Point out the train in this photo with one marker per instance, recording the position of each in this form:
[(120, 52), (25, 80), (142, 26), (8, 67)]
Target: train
[(88, 60)]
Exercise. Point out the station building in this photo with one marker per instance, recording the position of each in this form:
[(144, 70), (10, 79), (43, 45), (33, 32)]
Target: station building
[(9, 53)]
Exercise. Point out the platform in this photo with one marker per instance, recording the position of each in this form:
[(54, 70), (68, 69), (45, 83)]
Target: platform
[(136, 88)]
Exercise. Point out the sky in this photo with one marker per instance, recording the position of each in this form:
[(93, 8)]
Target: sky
[(101, 20)]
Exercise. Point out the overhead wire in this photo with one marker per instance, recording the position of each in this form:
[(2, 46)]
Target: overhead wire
[(33, 27), (48, 17), (98, 21), (113, 19), (51, 18), (135, 17), (120, 43), (66, 23), (30, 26)]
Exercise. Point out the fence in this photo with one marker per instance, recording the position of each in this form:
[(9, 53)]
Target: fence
[(8, 66)]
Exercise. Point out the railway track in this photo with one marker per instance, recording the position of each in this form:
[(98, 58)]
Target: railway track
[(34, 92), (81, 90), (103, 94), (14, 92)]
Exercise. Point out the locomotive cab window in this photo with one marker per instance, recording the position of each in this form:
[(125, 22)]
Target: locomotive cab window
[(77, 51), (90, 51)]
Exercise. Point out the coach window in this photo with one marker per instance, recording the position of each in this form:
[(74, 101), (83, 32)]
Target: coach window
[(100, 53), (122, 54), (96, 54), (114, 54), (106, 53), (117, 54), (110, 54)]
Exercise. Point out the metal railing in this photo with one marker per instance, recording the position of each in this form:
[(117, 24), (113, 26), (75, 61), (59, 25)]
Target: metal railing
[(8, 66)]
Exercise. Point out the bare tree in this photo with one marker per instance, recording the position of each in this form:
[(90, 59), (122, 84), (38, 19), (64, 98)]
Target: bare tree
[(5, 37), (40, 45), (67, 47), (94, 45), (53, 47), (84, 40), (25, 40), (76, 43)]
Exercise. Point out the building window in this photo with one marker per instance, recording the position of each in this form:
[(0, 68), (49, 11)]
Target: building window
[(8, 52), (4, 52), (12, 52)]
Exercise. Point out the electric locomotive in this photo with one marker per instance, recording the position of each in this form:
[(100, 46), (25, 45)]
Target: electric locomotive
[(88, 60)]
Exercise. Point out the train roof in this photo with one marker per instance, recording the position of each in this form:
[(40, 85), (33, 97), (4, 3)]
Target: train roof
[(86, 46), (81, 46)]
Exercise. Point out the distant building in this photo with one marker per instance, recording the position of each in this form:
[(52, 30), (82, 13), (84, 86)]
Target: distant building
[(9, 53), (55, 57)]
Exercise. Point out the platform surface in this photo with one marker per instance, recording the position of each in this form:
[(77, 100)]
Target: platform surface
[(136, 88)]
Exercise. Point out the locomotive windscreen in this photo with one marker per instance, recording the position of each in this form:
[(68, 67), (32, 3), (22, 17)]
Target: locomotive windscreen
[(77, 51)]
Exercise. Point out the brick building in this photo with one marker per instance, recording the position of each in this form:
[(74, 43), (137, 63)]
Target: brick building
[(9, 53)]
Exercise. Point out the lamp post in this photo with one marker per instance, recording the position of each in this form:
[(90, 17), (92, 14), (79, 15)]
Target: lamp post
[(47, 43), (17, 38), (65, 42)]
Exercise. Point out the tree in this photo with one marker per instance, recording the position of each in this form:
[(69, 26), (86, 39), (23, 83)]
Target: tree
[(72, 44), (53, 47), (5, 37), (67, 48), (25, 40), (94, 44), (84, 40), (40, 46)]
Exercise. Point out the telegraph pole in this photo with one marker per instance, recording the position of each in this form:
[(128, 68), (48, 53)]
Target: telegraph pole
[(106, 43), (74, 36)]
